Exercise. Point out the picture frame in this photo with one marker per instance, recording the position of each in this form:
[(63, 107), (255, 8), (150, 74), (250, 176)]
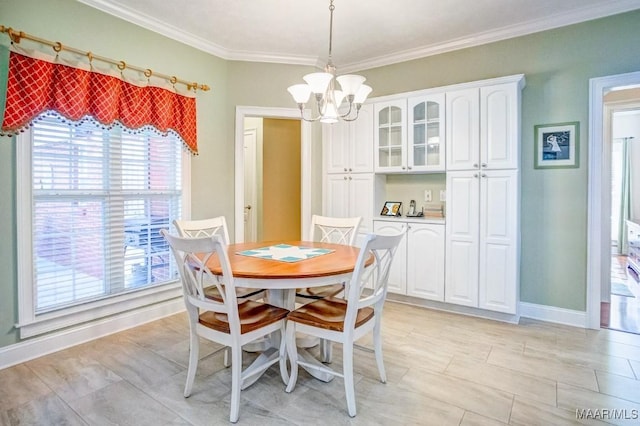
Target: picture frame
[(557, 145), (392, 208)]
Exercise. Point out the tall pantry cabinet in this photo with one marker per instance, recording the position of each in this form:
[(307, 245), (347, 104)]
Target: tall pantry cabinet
[(483, 187), (348, 169)]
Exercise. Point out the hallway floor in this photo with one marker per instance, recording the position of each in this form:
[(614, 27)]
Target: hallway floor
[(624, 312)]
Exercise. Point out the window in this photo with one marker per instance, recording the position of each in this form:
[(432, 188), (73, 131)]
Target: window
[(92, 218)]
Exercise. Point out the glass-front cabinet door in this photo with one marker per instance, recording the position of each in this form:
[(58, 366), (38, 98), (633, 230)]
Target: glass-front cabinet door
[(426, 143), (390, 136)]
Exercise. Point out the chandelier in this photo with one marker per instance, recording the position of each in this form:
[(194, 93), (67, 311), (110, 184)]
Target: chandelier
[(328, 98)]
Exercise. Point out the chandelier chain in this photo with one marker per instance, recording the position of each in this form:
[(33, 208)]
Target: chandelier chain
[(331, 8)]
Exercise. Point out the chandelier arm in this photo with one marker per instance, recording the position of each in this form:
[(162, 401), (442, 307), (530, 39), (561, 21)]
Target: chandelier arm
[(310, 120)]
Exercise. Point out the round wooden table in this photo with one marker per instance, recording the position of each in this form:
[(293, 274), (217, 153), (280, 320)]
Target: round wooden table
[(281, 279)]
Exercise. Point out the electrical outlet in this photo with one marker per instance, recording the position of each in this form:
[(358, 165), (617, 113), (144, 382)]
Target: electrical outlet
[(443, 195), (427, 195)]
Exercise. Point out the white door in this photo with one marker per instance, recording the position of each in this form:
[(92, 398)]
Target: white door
[(498, 273), (336, 196), (336, 147), (361, 200), (500, 126), (361, 141), (398, 272), (463, 129), (425, 261), (250, 186), (462, 227)]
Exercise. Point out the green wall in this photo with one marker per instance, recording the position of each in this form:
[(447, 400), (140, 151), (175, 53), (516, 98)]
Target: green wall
[(558, 65)]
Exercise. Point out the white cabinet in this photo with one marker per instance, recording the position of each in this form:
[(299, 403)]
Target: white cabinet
[(426, 139), (348, 168), (348, 145), (350, 195), (418, 265), (410, 135), (390, 132), (483, 127), (482, 239)]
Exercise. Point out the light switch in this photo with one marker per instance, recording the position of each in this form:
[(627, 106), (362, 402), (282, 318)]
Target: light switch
[(427, 195), (443, 195)]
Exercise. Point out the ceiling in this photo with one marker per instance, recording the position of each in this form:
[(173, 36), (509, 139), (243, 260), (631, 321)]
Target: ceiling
[(366, 33)]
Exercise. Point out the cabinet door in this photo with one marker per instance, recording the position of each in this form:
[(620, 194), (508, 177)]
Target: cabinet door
[(361, 200), (398, 272), (500, 126), (425, 261), (463, 129), (361, 141), (499, 223), (461, 271), (336, 195), (390, 136), (426, 133), (336, 145)]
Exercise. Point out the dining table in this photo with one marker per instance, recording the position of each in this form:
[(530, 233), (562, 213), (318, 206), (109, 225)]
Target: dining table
[(281, 267)]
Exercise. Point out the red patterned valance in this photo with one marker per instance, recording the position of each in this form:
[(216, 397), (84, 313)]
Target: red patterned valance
[(35, 86)]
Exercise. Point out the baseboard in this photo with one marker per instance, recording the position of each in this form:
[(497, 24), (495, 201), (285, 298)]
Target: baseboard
[(39, 346), (554, 314), (457, 309)]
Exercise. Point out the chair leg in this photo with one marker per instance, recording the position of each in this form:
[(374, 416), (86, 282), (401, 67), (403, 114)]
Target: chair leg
[(227, 357), (326, 350), (194, 350), (377, 347), (236, 382), (283, 356), (347, 371), (292, 350)]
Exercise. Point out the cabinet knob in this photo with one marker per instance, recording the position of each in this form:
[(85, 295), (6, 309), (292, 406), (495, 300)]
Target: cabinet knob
[(409, 167), (484, 164), (345, 169), (403, 168), (345, 178), (350, 178), (350, 169), (475, 164), (483, 175), (475, 175)]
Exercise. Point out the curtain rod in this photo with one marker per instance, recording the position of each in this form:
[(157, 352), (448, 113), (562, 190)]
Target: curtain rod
[(16, 36)]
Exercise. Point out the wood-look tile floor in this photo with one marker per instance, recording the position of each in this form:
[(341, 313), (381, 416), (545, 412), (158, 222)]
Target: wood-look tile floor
[(623, 313), (442, 369)]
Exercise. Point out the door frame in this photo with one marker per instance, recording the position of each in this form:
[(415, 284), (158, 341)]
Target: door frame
[(252, 202), (305, 163), (597, 244)]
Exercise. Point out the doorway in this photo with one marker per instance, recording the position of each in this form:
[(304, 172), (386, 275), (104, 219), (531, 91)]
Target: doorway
[(243, 113), (622, 107), (599, 189)]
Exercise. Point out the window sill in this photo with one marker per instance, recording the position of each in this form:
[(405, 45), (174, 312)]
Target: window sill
[(99, 309)]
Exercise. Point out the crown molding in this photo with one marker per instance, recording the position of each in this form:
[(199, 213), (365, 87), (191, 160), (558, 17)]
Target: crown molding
[(556, 21)]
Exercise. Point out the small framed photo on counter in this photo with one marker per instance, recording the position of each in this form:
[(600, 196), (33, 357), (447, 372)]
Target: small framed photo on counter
[(391, 208)]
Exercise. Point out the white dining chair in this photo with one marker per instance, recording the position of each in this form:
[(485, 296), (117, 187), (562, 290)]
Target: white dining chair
[(345, 321), (226, 322), (327, 229), (207, 228), (336, 230)]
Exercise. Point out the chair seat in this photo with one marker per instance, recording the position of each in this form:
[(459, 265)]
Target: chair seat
[(320, 292), (253, 315), (328, 314), (213, 293)]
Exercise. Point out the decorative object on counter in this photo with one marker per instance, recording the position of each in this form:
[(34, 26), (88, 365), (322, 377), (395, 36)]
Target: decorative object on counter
[(556, 145), (392, 208), (323, 87), (433, 210)]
